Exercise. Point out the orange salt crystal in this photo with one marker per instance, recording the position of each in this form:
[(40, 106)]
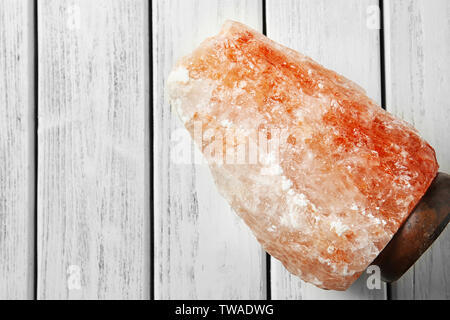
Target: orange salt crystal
[(335, 175)]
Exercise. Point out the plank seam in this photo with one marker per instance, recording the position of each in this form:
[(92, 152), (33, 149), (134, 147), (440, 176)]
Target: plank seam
[(264, 16), (382, 57), (151, 128), (35, 137)]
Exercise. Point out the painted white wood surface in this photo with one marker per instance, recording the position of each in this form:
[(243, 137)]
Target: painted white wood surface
[(342, 36), (417, 89), (202, 249), (16, 150), (93, 175)]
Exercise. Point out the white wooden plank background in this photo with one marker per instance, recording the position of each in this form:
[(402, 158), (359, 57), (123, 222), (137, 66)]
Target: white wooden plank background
[(417, 90), (16, 150), (93, 192), (202, 249), (335, 34), (94, 233)]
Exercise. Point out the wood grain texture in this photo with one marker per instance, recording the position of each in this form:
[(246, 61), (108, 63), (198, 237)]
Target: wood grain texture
[(93, 178), (202, 249), (417, 54), (16, 150), (339, 35)]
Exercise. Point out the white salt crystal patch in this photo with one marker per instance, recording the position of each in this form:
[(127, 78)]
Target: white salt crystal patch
[(377, 220), (320, 85), (345, 271), (297, 204), (226, 123), (293, 218), (237, 92), (334, 103), (330, 249), (316, 281), (272, 170), (324, 261), (400, 165), (354, 207), (208, 134), (242, 84), (300, 200), (328, 262), (338, 227), (284, 220), (286, 184), (268, 158), (299, 115), (180, 74)]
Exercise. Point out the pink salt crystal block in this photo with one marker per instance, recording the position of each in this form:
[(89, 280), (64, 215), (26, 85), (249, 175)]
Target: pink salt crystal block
[(320, 173)]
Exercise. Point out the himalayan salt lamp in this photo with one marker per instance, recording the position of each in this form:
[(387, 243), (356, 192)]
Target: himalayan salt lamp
[(320, 173)]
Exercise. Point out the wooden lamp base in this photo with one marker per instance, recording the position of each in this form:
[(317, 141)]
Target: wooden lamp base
[(421, 229)]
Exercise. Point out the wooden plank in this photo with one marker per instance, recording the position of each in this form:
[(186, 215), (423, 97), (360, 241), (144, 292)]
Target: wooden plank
[(417, 82), (340, 35), (93, 154), (202, 249), (16, 150)]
